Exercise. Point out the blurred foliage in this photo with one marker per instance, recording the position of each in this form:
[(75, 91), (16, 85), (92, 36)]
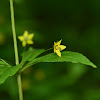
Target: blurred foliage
[(74, 21)]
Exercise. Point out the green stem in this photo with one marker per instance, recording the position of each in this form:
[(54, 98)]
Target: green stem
[(20, 87), (16, 49), (48, 49), (14, 33)]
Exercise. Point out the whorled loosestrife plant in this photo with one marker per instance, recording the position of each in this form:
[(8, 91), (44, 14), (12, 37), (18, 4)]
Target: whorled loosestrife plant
[(30, 57)]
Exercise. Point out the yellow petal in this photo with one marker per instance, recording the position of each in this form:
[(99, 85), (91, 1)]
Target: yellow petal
[(62, 47), (59, 42), (54, 47), (30, 36), (29, 42), (58, 53), (54, 50), (26, 34), (24, 43), (55, 43), (21, 38)]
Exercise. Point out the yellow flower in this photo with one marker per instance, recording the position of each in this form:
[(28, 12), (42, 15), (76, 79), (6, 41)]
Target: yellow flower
[(58, 48), (26, 38)]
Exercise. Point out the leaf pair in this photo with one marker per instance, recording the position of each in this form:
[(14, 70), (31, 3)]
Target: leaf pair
[(67, 56), (30, 58)]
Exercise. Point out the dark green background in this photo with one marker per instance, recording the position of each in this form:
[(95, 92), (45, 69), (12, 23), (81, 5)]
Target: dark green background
[(77, 23)]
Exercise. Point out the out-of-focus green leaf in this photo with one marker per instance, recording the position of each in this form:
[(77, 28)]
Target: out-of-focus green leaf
[(6, 70), (67, 56), (31, 54)]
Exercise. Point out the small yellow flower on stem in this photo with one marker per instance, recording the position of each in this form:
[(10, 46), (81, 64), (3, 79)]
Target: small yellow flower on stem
[(26, 38), (58, 48)]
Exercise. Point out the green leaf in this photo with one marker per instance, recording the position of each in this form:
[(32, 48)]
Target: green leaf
[(6, 70), (67, 56), (31, 54), (3, 66), (14, 69), (3, 62)]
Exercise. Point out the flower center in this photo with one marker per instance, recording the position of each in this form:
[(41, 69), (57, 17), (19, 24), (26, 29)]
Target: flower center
[(57, 47), (25, 38)]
